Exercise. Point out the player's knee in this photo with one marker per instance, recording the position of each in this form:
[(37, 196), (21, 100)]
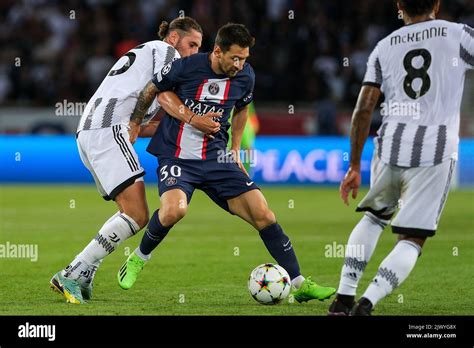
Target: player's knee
[(139, 216), (420, 241), (170, 216), (263, 217), (143, 220), (376, 219)]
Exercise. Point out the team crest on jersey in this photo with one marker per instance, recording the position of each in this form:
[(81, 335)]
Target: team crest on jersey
[(171, 181), (166, 69), (213, 88)]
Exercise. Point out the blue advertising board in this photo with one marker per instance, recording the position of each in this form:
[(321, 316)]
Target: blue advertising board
[(277, 160)]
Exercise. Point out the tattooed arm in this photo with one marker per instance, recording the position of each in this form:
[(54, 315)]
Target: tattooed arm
[(170, 102), (174, 107), (145, 98), (368, 98)]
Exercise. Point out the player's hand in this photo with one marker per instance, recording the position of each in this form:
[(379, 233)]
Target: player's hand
[(241, 166), (149, 129), (351, 182), (206, 123), (133, 131), (236, 154)]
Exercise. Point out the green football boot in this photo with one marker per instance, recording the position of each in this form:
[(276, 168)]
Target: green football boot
[(309, 290), (70, 289), (128, 273)]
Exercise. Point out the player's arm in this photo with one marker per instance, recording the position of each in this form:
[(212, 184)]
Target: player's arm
[(165, 81), (145, 99), (239, 120), (163, 58), (171, 103), (164, 78), (360, 126)]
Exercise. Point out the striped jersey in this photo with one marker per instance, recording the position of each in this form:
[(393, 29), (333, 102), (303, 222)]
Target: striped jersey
[(420, 68), (202, 91), (117, 95)]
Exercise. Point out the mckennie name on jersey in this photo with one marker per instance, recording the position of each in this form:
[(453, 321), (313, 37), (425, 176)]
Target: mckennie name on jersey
[(421, 68)]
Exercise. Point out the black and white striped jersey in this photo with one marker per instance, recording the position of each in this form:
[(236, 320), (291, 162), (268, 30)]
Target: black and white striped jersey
[(421, 68), (117, 95)]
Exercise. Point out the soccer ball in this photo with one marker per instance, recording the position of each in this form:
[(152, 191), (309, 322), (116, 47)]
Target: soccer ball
[(269, 284)]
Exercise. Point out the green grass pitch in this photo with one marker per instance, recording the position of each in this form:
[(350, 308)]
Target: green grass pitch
[(202, 267)]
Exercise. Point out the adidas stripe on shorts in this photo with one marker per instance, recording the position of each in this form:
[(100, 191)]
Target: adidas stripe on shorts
[(111, 159)]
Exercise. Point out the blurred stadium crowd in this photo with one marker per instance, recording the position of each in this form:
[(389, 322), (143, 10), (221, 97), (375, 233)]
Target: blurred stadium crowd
[(65, 48)]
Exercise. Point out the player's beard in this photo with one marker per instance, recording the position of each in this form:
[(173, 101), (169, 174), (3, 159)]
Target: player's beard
[(230, 72), (179, 46)]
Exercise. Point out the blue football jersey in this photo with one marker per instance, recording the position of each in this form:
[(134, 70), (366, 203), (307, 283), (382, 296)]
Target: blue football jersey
[(202, 91)]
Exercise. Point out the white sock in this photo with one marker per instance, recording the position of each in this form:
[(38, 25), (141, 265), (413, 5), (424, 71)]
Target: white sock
[(297, 281), (141, 255), (89, 276), (360, 247), (113, 233), (393, 270), (112, 217)]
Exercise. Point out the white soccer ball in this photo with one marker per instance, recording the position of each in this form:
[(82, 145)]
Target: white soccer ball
[(269, 284)]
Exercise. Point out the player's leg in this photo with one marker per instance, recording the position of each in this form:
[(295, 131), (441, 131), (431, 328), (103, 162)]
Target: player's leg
[(360, 247), (132, 203), (231, 189), (252, 207), (110, 157), (393, 270), (379, 205), (421, 205), (132, 217), (176, 187), (173, 208)]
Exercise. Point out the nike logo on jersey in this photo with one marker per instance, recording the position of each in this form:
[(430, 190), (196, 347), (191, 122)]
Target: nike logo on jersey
[(249, 183), (211, 99)]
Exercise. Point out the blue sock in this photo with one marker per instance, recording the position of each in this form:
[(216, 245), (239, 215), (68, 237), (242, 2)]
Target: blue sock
[(279, 246), (154, 234)]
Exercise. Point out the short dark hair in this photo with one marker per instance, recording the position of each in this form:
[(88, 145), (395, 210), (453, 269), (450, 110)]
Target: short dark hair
[(234, 34), (418, 7), (183, 24)]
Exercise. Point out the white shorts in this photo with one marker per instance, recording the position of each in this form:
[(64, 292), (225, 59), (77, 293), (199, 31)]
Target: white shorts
[(111, 159), (419, 194)]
